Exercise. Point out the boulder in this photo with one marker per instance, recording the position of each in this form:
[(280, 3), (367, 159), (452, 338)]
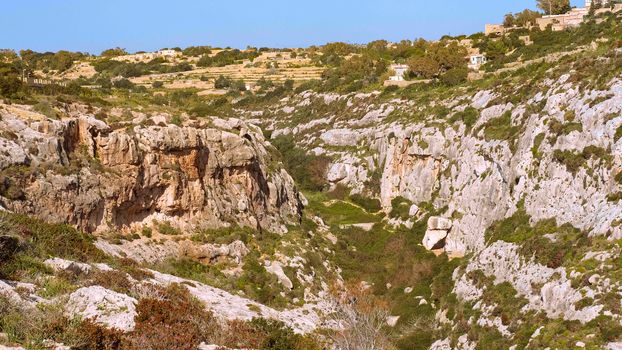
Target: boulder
[(439, 223), (434, 239), (58, 264), (392, 320), (236, 250), (275, 268), (414, 210), (103, 306)]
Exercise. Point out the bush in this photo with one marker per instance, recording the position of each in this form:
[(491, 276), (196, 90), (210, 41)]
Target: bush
[(265, 334), (166, 228), (340, 192), (400, 208), (309, 171), (469, 117), (558, 128), (123, 84), (222, 82), (180, 322), (226, 57), (157, 84), (45, 109), (575, 161), (455, 76), (501, 128), (10, 83), (44, 240), (372, 205)]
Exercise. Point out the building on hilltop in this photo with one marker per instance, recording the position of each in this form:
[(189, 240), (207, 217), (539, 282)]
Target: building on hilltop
[(576, 16), (494, 29), (571, 19)]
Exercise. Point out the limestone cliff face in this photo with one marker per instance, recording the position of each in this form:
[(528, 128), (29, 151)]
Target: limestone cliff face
[(82, 172), (476, 176)]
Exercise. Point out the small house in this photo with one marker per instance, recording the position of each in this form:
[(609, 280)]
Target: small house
[(476, 61), (399, 71)]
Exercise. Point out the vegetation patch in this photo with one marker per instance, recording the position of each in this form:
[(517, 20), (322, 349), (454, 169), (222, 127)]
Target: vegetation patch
[(575, 161)]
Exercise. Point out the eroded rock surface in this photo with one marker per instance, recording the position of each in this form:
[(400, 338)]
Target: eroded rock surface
[(103, 306), (82, 172)]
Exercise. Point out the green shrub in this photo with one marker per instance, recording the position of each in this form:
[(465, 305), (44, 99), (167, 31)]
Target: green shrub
[(179, 323), (558, 128), (400, 208), (166, 228), (176, 120), (258, 284), (309, 171), (501, 128), (46, 109), (372, 205), (191, 269), (517, 229), (455, 76), (225, 235), (575, 161), (614, 197), (146, 231), (41, 240), (469, 117), (340, 192), (537, 141)]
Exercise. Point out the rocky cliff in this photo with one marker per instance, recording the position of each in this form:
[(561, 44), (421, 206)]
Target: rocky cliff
[(82, 172), (521, 177), (557, 152)]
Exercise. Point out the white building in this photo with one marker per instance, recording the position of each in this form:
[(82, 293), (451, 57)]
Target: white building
[(476, 61), (399, 72)]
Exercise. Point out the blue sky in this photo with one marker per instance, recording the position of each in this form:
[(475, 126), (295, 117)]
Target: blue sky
[(94, 25)]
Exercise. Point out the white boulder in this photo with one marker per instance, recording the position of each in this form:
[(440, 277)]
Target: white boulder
[(276, 269), (434, 239), (103, 306)]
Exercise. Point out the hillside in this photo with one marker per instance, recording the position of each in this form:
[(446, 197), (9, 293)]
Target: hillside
[(318, 209)]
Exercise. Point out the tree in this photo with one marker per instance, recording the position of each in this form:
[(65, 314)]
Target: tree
[(114, 52), (123, 84), (7, 55), (10, 84), (448, 56), (527, 17), (495, 49), (424, 67), (509, 20), (554, 7), (361, 320), (222, 82), (455, 76)]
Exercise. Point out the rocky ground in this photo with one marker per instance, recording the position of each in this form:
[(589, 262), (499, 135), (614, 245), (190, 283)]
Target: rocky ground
[(483, 216)]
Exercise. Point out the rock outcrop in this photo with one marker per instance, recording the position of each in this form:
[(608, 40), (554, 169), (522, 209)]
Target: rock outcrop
[(82, 172), (103, 306), (438, 229)]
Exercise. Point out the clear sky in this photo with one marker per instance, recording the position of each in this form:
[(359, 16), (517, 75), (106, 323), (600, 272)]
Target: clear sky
[(94, 25)]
